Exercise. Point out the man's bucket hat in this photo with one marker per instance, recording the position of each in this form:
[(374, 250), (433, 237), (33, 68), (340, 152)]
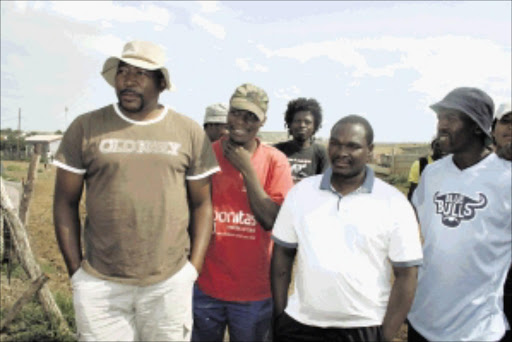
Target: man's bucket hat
[(216, 113), (141, 54), (503, 110), (251, 98), (473, 102)]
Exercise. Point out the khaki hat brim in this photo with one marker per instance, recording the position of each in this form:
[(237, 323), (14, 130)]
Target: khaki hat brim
[(241, 103), (110, 69), (216, 119)]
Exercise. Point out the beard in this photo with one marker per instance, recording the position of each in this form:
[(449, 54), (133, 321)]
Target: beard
[(505, 151), (131, 109)]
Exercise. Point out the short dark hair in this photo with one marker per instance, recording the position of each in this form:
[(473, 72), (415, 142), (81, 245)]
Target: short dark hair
[(356, 119), (160, 79), (302, 104)]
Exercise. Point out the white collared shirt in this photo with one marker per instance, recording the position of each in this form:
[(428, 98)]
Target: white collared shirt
[(344, 248)]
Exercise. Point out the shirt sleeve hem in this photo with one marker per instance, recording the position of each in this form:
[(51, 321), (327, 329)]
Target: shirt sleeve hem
[(284, 243), (203, 175), (68, 168), (409, 263)]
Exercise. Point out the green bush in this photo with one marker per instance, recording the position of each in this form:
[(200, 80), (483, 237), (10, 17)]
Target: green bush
[(65, 303)]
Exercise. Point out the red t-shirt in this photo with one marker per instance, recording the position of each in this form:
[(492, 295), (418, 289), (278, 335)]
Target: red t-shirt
[(237, 263)]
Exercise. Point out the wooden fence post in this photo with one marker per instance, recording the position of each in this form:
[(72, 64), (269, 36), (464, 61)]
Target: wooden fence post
[(1, 237), (25, 297), (28, 187), (27, 260)]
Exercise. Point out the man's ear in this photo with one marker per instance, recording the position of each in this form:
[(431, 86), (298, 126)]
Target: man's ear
[(370, 155), (262, 122), (163, 84), (477, 130)]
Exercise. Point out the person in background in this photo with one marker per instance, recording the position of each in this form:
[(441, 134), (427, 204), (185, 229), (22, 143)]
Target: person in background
[(215, 124), (349, 230), (234, 288), (303, 118), (502, 136), (463, 202), (145, 168), (419, 165), (502, 131)]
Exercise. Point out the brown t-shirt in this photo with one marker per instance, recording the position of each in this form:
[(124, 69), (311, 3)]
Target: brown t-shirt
[(136, 175)]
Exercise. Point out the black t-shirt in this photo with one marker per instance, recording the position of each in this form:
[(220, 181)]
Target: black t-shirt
[(305, 162)]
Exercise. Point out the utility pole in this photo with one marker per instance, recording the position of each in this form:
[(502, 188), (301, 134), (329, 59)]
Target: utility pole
[(65, 118), (19, 133)]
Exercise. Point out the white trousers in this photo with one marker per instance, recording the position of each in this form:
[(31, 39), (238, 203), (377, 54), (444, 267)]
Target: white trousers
[(109, 311)]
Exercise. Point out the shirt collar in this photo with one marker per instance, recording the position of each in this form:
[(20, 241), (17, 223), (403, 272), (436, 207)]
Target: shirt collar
[(366, 187)]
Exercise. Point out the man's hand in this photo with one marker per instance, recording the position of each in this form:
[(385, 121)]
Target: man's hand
[(238, 156)]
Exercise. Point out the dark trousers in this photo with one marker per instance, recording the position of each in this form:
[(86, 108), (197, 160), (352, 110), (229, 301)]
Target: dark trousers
[(507, 305), (413, 335), (287, 329), (246, 321)]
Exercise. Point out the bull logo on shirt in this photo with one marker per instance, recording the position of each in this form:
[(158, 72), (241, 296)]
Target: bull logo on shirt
[(455, 207)]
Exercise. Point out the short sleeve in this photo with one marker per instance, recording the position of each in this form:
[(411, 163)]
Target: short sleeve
[(284, 233), (405, 245), (203, 163), (414, 173), (280, 179), (69, 155)]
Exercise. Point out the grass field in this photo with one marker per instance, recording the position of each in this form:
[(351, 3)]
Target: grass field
[(31, 324)]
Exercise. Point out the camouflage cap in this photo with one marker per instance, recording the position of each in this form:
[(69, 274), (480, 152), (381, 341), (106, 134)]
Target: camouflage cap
[(251, 98), (216, 113)]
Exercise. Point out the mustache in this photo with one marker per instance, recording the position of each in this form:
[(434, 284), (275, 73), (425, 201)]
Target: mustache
[(342, 159), (129, 91)]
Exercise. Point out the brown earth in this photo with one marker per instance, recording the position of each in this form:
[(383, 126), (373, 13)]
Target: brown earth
[(42, 239)]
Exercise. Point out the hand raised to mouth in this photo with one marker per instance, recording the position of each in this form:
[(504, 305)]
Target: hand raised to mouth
[(237, 155)]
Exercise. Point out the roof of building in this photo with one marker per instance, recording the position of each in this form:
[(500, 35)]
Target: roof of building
[(43, 138)]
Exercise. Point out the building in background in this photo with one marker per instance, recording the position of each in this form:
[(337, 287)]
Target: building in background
[(49, 144)]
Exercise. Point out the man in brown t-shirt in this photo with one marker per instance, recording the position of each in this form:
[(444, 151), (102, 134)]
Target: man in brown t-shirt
[(145, 168)]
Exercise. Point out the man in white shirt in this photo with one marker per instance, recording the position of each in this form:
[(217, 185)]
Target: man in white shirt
[(348, 229), (463, 203)]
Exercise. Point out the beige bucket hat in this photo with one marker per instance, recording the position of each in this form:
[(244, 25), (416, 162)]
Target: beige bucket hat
[(503, 109), (144, 55), (216, 113)]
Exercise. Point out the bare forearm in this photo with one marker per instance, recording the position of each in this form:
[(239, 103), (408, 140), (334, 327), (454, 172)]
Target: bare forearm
[(201, 229), (412, 187), (67, 231), (280, 277), (400, 301), (265, 210)]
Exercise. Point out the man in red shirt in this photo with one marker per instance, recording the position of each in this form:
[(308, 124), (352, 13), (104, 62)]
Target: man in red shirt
[(233, 289)]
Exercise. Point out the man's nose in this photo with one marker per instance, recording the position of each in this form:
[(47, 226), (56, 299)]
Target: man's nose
[(342, 151), (442, 124), (130, 78)]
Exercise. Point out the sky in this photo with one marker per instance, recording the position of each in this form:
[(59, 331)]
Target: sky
[(387, 61)]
